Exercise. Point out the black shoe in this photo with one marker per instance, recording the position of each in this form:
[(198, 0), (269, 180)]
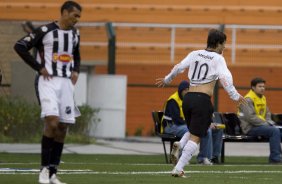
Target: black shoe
[(215, 160)]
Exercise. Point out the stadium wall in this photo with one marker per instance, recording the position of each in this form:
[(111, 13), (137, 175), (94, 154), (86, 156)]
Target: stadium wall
[(157, 11), (143, 96)]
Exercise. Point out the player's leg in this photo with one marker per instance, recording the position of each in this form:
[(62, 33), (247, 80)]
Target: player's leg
[(192, 143), (183, 141), (187, 153), (58, 146), (198, 118), (66, 117), (49, 110), (178, 147)]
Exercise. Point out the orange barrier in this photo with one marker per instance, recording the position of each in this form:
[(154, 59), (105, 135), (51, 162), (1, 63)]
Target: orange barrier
[(236, 12), (152, 45), (162, 2), (156, 56)]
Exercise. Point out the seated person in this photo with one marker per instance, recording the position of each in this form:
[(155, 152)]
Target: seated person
[(213, 142), (174, 123), (217, 134), (173, 118), (256, 119)]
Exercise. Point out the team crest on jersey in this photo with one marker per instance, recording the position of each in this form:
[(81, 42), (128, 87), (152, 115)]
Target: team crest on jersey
[(44, 28), (65, 58), (68, 110)]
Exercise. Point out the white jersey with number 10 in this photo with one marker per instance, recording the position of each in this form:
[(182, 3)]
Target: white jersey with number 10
[(205, 67)]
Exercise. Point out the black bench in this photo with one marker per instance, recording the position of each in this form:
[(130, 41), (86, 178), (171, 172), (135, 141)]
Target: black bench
[(157, 116), (233, 131), (165, 137)]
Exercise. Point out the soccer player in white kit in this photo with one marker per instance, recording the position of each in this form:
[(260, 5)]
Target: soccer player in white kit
[(58, 63), (205, 68)]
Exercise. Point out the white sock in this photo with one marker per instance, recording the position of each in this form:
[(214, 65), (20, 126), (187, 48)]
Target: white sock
[(184, 140), (187, 153)]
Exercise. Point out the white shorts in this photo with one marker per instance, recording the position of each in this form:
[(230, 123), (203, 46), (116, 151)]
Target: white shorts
[(57, 99)]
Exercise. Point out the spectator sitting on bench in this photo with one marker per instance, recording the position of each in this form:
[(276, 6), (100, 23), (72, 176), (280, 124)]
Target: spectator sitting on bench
[(173, 120), (256, 119), (173, 123), (212, 143)]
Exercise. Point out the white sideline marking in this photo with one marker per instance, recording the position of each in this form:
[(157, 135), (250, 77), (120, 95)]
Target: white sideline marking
[(144, 164), (87, 171)]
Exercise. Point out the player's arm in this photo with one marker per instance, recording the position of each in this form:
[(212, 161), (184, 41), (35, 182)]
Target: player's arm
[(26, 43), (76, 56), (76, 59), (178, 68), (226, 81)]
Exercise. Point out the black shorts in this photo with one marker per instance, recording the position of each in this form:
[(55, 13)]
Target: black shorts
[(198, 110)]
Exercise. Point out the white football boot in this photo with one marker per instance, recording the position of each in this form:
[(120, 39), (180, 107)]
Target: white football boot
[(55, 180), (177, 173), (44, 176), (174, 155)]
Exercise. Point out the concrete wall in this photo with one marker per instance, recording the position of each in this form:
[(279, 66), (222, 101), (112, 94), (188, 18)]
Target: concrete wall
[(22, 83), (10, 32), (108, 93)]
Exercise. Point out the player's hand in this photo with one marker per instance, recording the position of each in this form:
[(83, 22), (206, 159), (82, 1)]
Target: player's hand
[(74, 77), (242, 101), (160, 82), (45, 74), (213, 126)]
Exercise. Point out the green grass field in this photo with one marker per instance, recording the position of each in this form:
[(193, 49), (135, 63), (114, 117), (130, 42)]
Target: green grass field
[(129, 169)]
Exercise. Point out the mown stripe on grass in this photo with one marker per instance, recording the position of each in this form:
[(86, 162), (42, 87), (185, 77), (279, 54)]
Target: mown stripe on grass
[(145, 164), (87, 171)]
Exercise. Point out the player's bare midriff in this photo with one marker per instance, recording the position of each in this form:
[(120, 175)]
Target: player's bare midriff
[(204, 88)]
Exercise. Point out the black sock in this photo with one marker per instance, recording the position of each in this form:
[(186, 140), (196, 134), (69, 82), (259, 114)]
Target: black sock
[(46, 148), (55, 157)]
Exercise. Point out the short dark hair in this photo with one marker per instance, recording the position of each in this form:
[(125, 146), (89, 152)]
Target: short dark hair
[(215, 37), (256, 80), (69, 5)]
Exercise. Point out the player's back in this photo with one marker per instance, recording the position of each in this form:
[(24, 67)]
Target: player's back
[(203, 67)]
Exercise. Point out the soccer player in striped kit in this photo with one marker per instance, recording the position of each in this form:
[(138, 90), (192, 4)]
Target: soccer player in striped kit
[(58, 63)]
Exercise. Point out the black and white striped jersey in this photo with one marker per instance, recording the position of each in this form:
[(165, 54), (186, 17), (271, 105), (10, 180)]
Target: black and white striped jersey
[(58, 50)]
